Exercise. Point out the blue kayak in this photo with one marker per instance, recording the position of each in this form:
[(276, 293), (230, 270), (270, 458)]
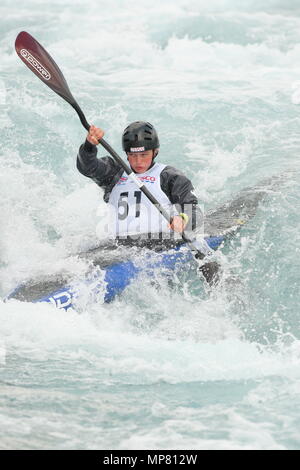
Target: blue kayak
[(110, 278), (108, 282)]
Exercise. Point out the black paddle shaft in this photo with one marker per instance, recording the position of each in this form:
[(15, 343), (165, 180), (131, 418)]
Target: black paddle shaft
[(39, 61)]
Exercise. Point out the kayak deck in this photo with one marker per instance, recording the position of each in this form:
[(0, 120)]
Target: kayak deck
[(107, 281)]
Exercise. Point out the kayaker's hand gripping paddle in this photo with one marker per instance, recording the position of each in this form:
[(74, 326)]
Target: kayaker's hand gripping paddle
[(37, 59)]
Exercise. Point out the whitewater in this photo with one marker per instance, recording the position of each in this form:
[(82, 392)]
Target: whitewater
[(174, 367)]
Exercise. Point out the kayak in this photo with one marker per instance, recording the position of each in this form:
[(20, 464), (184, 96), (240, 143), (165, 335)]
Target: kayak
[(108, 281), (111, 277)]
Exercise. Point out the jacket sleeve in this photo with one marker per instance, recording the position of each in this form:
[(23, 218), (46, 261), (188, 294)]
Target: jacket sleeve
[(179, 190), (100, 170)]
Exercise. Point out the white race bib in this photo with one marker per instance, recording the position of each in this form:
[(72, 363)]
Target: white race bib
[(131, 212)]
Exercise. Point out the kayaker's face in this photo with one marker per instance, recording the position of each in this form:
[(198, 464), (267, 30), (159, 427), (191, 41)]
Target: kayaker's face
[(140, 161)]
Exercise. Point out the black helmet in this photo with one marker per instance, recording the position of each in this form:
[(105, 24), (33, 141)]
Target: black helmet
[(139, 136)]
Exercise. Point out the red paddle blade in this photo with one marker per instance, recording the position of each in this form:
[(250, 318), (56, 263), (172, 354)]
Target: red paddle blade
[(37, 59)]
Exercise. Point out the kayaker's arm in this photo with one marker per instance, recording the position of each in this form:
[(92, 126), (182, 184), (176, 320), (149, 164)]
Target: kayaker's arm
[(100, 170), (179, 190)]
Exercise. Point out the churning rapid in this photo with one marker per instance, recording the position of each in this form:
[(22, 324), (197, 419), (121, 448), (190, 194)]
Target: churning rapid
[(168, 364)]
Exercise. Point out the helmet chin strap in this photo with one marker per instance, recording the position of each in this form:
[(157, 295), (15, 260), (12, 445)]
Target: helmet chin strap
[(154, 155)]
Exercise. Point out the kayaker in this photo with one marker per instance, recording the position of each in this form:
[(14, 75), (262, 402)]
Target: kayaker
[(134, 219)]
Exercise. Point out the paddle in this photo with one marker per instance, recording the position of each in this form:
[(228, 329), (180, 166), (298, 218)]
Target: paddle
[(37, 59)]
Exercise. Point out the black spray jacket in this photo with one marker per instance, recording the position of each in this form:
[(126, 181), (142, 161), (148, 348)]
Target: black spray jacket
[(106, 173)]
